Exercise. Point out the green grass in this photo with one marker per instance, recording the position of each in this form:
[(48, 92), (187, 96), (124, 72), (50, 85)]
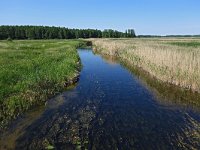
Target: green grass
[(32, 71), (186, 44)]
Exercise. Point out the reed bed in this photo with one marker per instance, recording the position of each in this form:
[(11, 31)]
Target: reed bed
[(173, 60)]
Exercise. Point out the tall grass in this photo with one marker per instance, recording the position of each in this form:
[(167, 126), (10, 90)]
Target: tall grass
[(176, 61), (32, 71)]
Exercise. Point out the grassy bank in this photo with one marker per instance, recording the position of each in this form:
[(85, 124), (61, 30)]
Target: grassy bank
[(32, 71), (173, 60)]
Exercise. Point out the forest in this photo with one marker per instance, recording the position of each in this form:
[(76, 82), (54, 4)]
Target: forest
[(46, 32)]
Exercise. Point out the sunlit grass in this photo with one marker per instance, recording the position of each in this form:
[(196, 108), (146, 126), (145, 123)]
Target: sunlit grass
[(187, 44), (32, 71)]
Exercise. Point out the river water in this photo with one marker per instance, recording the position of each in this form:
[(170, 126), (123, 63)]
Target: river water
[(111, 107)]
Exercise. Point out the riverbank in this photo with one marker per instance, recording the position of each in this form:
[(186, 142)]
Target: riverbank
[(32, 71), (172, 60), (108, 105), (165, 93)]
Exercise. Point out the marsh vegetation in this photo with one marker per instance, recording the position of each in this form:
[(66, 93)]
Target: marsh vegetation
[(118, 100), (110, 108), (173, 60), (33, 71)]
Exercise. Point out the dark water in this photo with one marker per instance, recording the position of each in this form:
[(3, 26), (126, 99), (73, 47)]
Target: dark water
[(110, 108)]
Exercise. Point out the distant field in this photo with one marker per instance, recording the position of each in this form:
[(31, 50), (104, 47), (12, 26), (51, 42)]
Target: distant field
[(187, 43), (173, 60), (31, 71)]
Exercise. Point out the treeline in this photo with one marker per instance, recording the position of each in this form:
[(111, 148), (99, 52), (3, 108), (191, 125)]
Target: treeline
[(45, 32), (130, 33), (182, 35), (159, 36), (149, 36)]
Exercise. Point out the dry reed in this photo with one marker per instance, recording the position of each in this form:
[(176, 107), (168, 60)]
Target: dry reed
[(172, 60)]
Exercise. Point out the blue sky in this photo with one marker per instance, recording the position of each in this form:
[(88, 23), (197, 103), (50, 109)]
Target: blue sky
[(158, 17)]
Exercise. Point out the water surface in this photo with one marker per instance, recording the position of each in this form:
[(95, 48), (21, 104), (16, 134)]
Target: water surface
[(110, 108)]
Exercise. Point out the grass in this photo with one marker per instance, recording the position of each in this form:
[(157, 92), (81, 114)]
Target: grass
[(172, 60), (186, 44), (32, 71)]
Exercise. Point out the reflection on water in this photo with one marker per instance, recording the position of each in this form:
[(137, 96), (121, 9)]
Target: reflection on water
[(167, 94), (111, 108)]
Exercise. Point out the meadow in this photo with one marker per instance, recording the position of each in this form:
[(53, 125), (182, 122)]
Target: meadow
[(172, 60), (31, 71)]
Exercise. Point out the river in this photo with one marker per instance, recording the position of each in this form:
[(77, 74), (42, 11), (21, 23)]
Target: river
[(111, 107)]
